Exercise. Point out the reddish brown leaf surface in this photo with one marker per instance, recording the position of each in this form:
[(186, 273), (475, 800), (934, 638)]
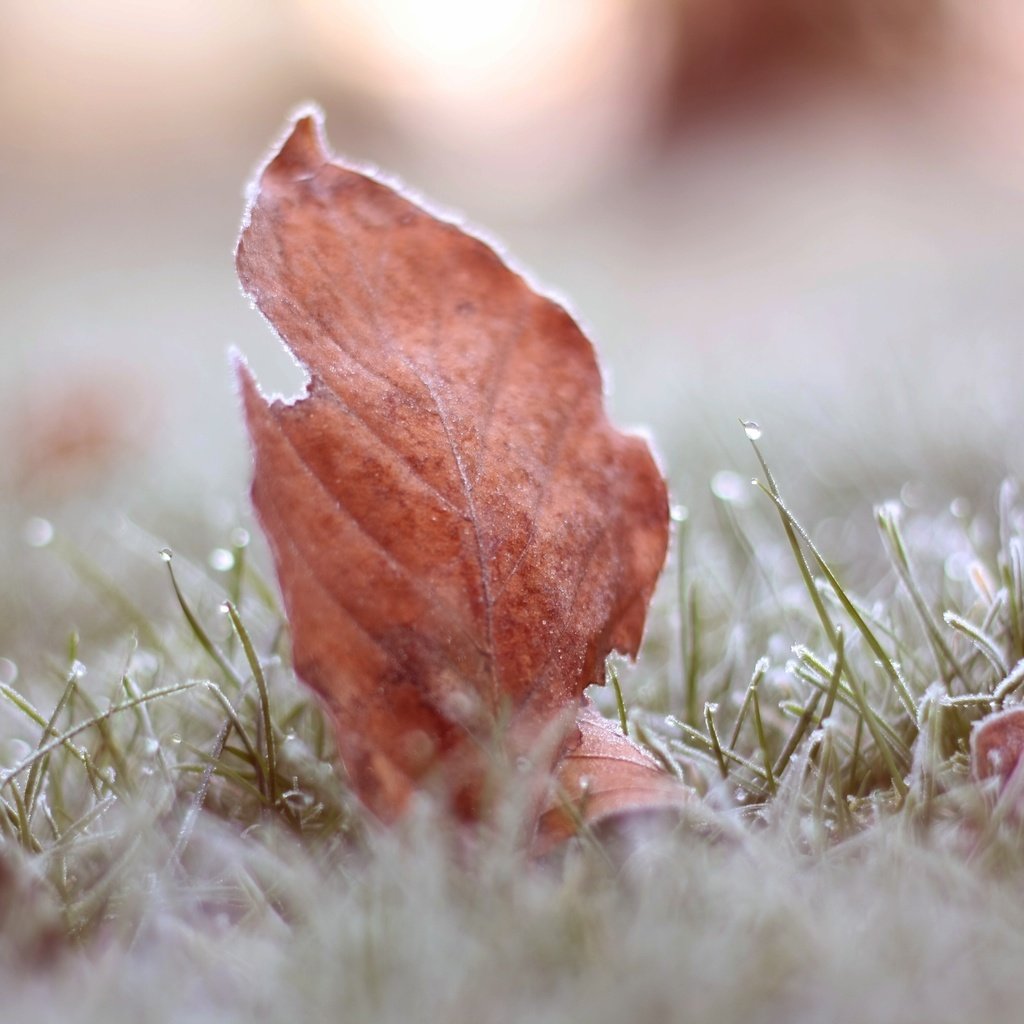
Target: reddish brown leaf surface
[(604, 775), (997, 743), (460, 534)]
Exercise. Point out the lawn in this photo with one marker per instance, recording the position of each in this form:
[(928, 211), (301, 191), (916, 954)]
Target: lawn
[(842, 863), (843, 602)]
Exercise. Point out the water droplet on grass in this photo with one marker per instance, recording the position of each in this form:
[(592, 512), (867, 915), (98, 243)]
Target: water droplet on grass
[(912, 494), (221, 560), (8, 671), (166, 554), (37, 532), (730, 487), (239, 537), (144, 663), (752, 429), (958, 566), (297, 800), (891, 511)]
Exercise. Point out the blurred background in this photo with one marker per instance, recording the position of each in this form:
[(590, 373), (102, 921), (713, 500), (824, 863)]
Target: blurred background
[(805, 213)]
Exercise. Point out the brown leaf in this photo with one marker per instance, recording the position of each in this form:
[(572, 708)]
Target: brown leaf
[(997, 742), (460, 535), (603, 776), (65, 432)]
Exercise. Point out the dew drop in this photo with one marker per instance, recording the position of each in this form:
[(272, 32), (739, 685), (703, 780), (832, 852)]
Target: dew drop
[(891, 511), (151, 746), (239, 537), (176, 739), (144, 663), (912, 494), (460, 705), (960, 508), (37, 532), (730, 487), (221, 560), (166, 554), (752, 429), (679, 513), (78, 670), (8, 671), (297, 800), (958, 566)]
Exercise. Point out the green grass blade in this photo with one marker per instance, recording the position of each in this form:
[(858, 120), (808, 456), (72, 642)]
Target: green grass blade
[(267, 732)]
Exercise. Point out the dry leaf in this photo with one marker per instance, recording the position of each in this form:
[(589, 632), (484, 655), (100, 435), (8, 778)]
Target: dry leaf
[(997, 742), (604, 775), (460, 535), (65, 433)]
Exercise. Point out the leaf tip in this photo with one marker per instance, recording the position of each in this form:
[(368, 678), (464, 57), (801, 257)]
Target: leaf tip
[(303, 150)]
